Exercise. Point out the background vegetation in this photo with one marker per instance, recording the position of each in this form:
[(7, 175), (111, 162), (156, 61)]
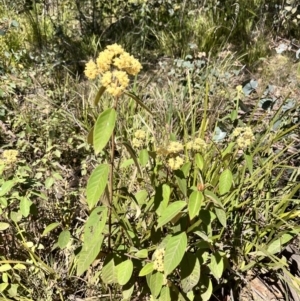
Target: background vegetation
[(227, 219)]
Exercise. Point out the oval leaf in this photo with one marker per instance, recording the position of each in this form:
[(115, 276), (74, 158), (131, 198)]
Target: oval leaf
[(88, 255), (217, 265), (25, 205), (174, 253), (143, 157), (195, 202), (171, 211), (142, 253), (165, 294), (221, 215), (96, 184), (49, 182), (3, 226), (5, 267), (225, 181), (199, 160), (6, 187), (103, 129), (109, 270), (155, 282), (190, 272), (64, 238), (94, 226), (147, 269), (124, 271)]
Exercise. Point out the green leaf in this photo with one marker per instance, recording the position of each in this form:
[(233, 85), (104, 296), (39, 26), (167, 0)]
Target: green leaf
[(147, 269), (225, 181), (5, 267), (109, 270), (127, 291), (221, 215), (164, 198), (175, 250), (103, 129), (99, 94), (199, 161), (141, 196), (49, 182), (94, 225), (88, 254), (190, 272), (3, 226), (92, 239), (217, 265), (206, 288), (3, 286), (13, 290), (142, 253), (213, 198), (165, 294), (171, 211), (195, 201), (96, 184), (155, 282), (181, 181), (6, 187), (276, 245), (25, 205), (16, 216), (20, 266), (249, 162), (185, 168), (63, 239), (124, 271), (50, 227), (143, 157)]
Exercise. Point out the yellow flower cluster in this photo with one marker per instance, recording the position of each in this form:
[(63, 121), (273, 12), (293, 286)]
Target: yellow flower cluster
[(174, 147), (127, 63), (158, 263), (197, 144), (172, 150), (245, 136), (91, 70), (175, 162), (9, 156), (140, 134), (113, 64), (115, 82), (139, 138)]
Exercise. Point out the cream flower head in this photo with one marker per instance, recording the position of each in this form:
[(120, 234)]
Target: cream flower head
[(114, 65)]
